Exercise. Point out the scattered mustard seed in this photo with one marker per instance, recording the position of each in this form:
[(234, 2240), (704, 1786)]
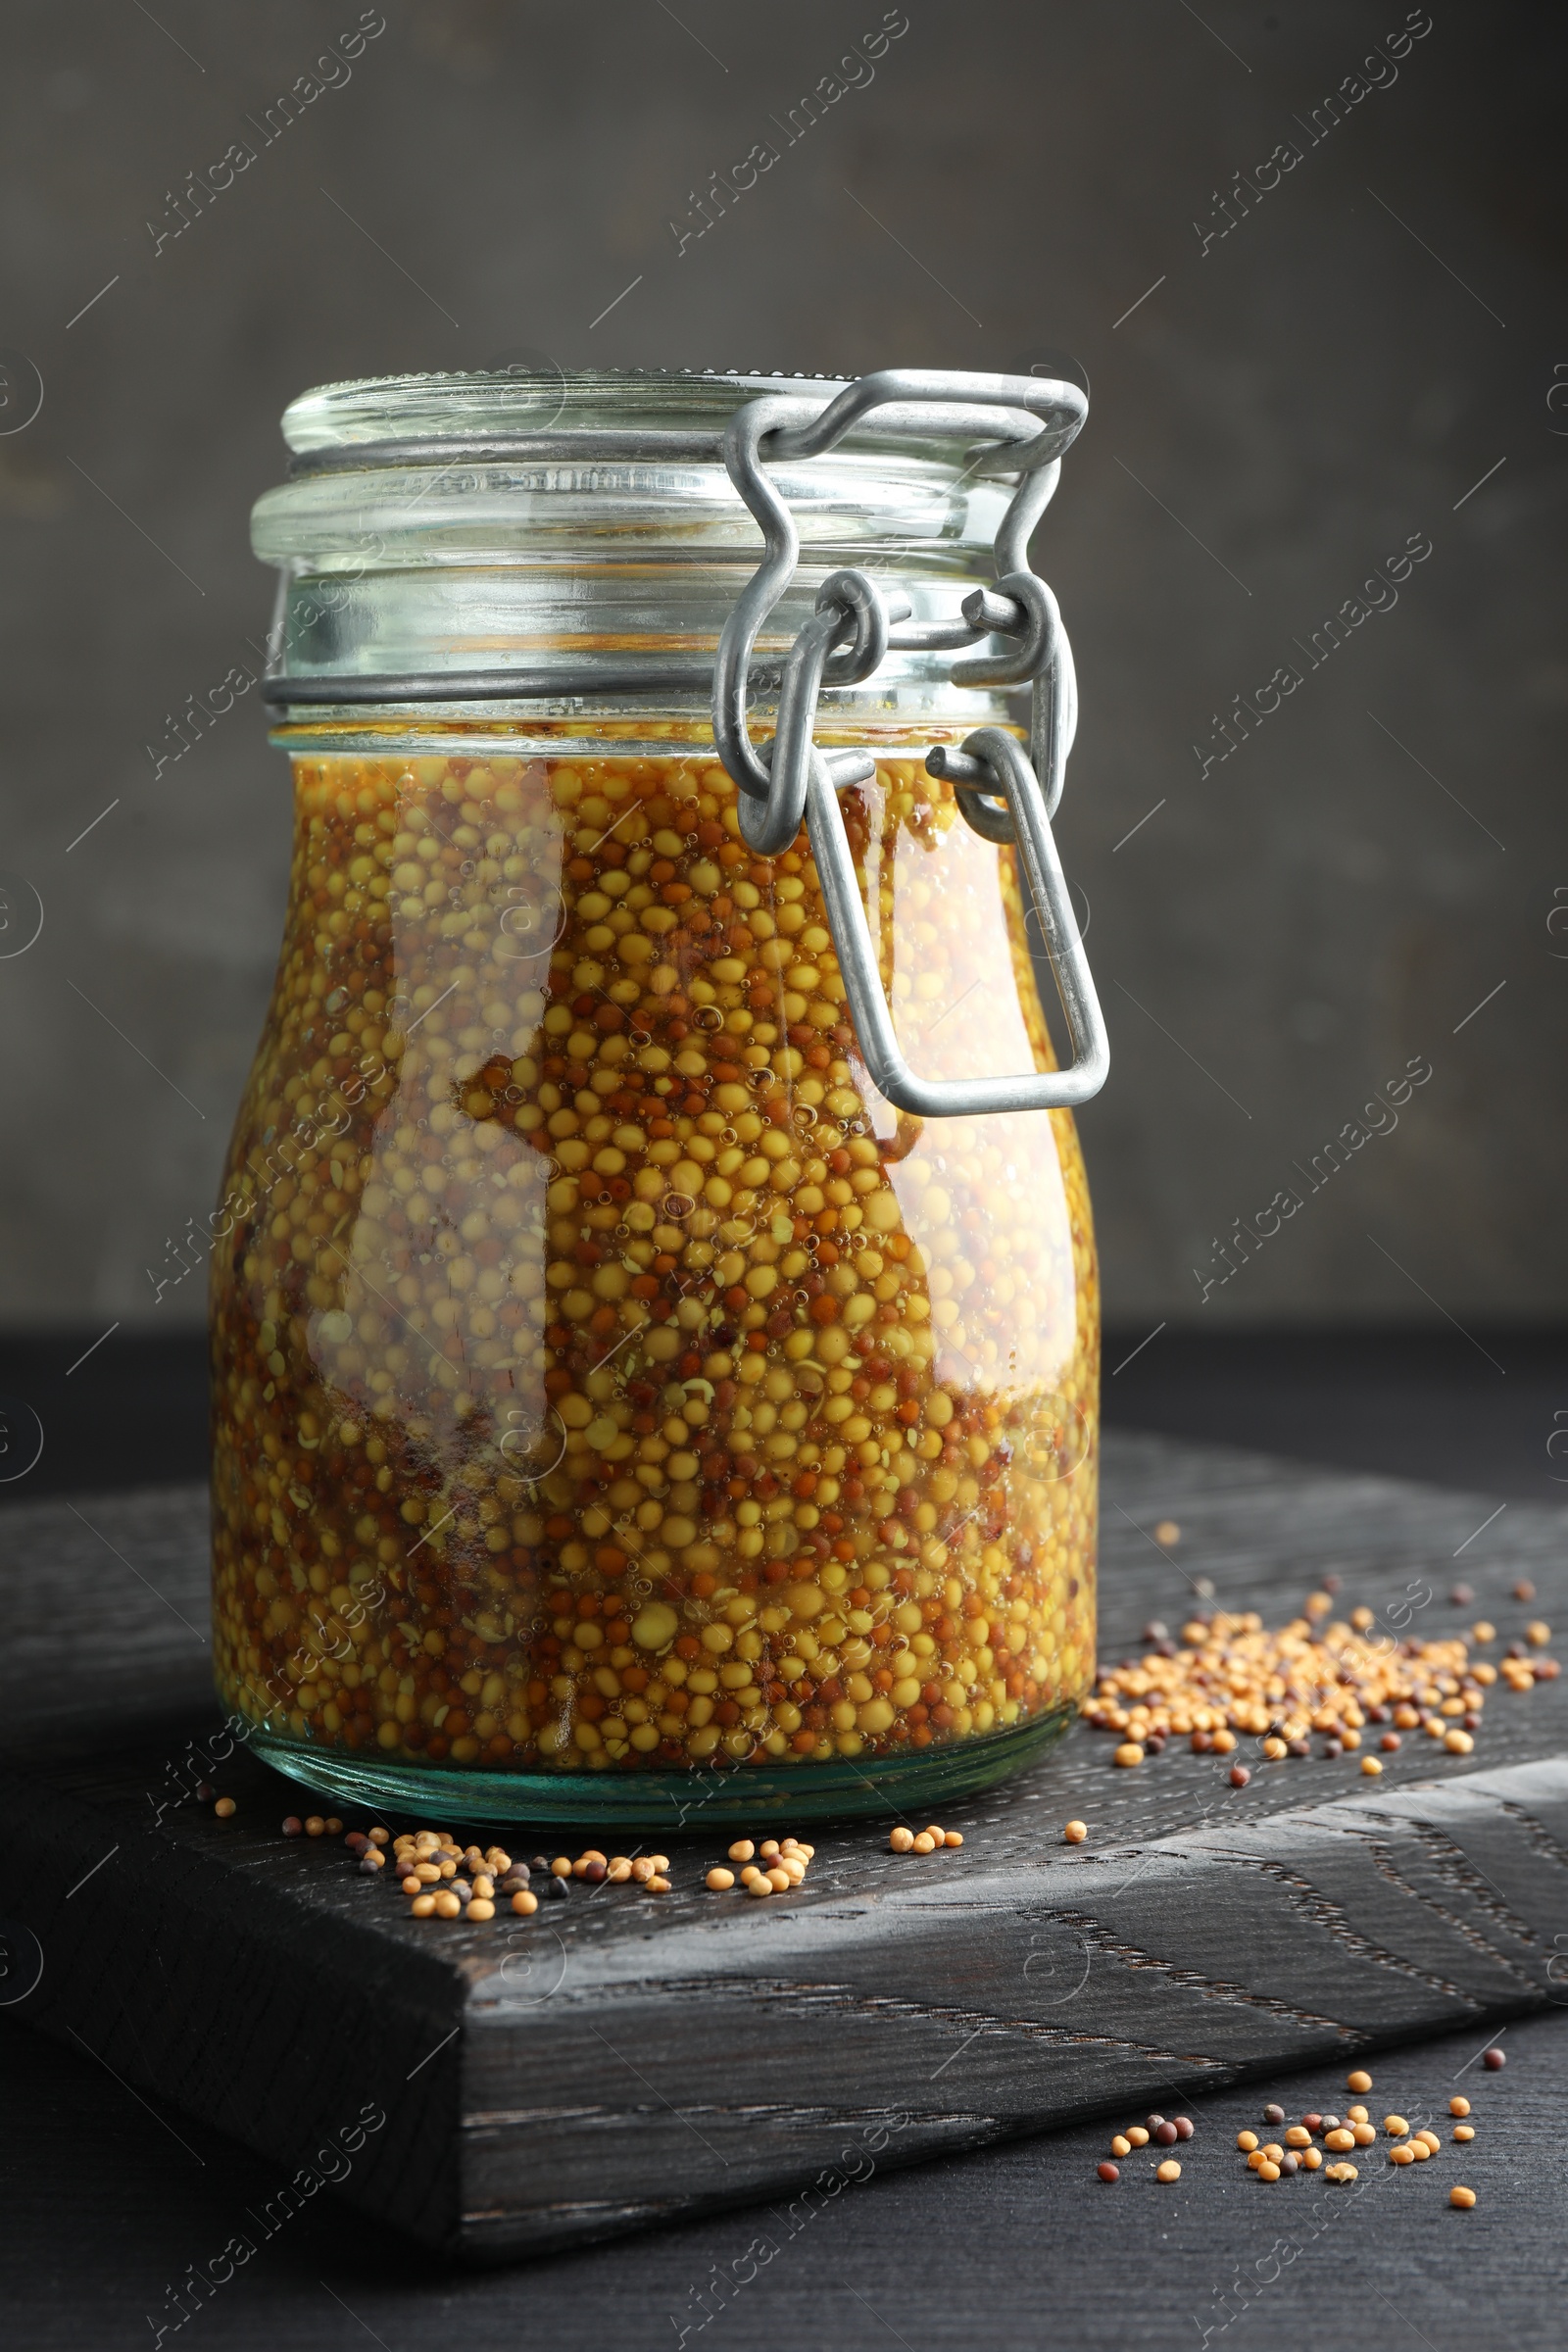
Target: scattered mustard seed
[(1075, 1832), (1463, 2197), (225, 1806)]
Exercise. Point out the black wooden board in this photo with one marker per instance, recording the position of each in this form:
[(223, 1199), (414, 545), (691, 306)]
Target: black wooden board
[(619, 2060)]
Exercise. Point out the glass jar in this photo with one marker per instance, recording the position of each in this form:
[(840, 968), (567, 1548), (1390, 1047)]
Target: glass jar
[(623, 1411)]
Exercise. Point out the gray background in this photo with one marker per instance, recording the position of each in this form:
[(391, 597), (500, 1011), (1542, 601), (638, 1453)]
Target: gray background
[(1271, 945)]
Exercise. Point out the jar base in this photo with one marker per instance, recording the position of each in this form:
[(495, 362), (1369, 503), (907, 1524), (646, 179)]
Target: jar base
[(842, 1789)]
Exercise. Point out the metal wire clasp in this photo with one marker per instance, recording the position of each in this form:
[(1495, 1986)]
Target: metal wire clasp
[(998, 786)]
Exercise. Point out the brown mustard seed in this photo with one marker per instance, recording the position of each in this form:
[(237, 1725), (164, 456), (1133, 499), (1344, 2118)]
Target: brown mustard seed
[(225, 1805), (1075, 1831), (1108, 2171), (1317, 1674), (1495, 2059), (1463, 2197), (335, 1828)]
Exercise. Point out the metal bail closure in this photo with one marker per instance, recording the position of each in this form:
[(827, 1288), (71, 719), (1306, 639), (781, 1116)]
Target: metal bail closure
[(997, 785), (991, 762)]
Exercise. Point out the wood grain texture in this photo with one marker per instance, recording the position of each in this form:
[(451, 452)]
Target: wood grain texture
[(618, 2061)]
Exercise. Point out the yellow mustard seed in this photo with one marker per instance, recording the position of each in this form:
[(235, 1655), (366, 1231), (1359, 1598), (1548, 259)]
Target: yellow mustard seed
[(1458, 2106), (1463, 2197), (1464, 2130), (720, 1881), (1170, 2170), (1075, 1831)]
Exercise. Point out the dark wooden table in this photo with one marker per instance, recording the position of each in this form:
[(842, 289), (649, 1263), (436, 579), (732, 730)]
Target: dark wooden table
[(113, 2198)]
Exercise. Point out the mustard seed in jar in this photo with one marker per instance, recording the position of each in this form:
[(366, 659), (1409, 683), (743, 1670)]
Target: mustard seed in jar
[(588, 1401)]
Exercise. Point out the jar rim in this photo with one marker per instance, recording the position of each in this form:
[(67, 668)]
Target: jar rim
[(673, 410)]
